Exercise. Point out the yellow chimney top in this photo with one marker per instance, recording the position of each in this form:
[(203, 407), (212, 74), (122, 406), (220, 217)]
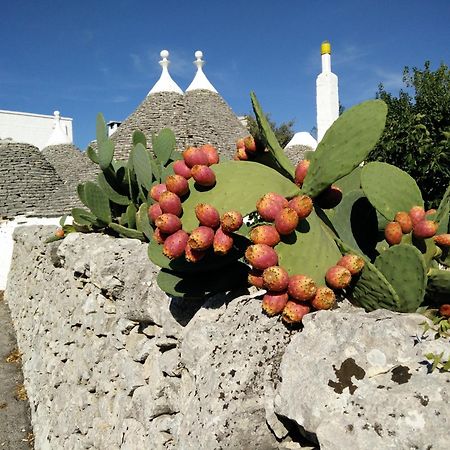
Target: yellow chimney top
[(325, 48)]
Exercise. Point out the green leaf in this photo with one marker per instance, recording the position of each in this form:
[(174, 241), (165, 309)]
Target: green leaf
[(105, 153), (98, 202), (163, 145), (143, 222), (62, 220), (142, 166), (112, 194), (126, 232), (139, 138), (92, 155), (101, 132), (131, 215), (83, 217)]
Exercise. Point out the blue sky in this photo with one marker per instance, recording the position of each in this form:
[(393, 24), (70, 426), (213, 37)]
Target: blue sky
[(86, 56)]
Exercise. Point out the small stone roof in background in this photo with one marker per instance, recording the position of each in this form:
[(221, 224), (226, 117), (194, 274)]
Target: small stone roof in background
[(296, 153), (302, 138), (58, 135)]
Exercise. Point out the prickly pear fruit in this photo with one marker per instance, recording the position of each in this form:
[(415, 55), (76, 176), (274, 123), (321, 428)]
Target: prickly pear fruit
[(193, 156), (175, 244), (294, 312), (268, 208), (157, 190), (430, 212), (443, 240), (338, 277), (159, 236), (154, 211), (393, 233), (261, 256), (302, 205), (207, 215), (273, 303), (241, 154), (231, 221), (168, 223), (250, 144), (177, 184), (353, 263), (255, 278), (59, 233), (417, 214), (403, 218), (180, 168), (275, 279), (211, 153), (301, 287), (170, 203), (192, 255), (329, 198), (300, 172), (444, 310), (222, 242), (240, 143), (265, 234), (425, 229), (286, 221), (278, 198), (324, 298), (203, 175), (201, 238)]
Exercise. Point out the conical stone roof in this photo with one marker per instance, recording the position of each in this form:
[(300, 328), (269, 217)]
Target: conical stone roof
[(29, 184), (296, 153)]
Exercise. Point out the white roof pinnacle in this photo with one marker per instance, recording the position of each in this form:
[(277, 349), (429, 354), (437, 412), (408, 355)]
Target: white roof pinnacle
[(200, 81), (165, 82), (58, 135), (302, 138)]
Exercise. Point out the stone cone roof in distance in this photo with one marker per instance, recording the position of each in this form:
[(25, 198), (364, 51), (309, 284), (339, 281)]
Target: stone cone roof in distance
[(296, 153), (29, 184)]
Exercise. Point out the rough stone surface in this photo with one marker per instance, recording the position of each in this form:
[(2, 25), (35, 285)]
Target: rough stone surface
[(296, 153), (363, 382)]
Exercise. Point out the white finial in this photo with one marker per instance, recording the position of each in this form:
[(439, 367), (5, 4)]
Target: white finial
[(200, 81), (165, 82), (58, 136)]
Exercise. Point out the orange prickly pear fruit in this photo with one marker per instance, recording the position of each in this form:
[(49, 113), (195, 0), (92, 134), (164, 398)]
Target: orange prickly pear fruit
[(338, 277), (274, 302), (403, 218), (301, 287), (353, 263), (324, 298), (275, 278), (261, 256), (294, 312), (193, 156), (393, 233), (300, 172)]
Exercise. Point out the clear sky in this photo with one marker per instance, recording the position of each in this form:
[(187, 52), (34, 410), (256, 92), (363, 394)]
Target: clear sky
[(86, 56)]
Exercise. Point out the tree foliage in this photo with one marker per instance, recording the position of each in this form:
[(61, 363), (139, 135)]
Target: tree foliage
[(283, 132), (417, 134)]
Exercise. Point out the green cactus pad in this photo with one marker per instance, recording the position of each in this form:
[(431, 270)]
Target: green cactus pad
[(112, 194), (345, 145), (97, 201), (310, 250), (404, 268), (92, 155), (163, 145), (350, 182), (127, 232), (389, 189), (131, 215), (442, 214), (81, 196), (83, 217), (239, 185), (272, 143), (438, 287), (139, 138), (142, 166), (105, 154), (143, 222), (101, 132)]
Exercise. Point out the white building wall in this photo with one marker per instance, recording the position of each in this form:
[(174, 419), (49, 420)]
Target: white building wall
[(30, 128)]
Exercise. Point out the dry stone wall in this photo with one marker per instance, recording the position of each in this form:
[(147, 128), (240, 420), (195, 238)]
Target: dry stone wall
[(110, 362)]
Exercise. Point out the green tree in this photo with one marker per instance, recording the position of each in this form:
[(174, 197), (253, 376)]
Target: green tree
[(283, 132), (417, 133)]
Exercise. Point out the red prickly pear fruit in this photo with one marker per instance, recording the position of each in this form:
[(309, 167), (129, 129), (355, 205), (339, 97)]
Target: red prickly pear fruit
[(261, 256), (231, 221), (300, 172), (393, 233), (353, 263), (417, 214), (250, 144), (222, 242), (59, 233), (241, 155), (170, 203), (154, 211), (301, 287), (180, 168), (240, 143), (425, 229), (203, 175), (177, 184), (294, 312), (175, 244), (194, 156), (273, 303), (192, 255), (275, 279), (201, 238), (157, 190), (159, 236), (268, 208), (443, 240), (444, 310), (329, 198), (255, 278), (430, 212), (278, 198), (286, 221), (211, 153), (403, 218), (168, 223), (265, 234), (207, 215), (325, 298), (302, 204), (338, 277)]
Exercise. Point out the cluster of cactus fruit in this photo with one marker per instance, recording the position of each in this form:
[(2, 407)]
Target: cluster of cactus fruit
[(330, 225)]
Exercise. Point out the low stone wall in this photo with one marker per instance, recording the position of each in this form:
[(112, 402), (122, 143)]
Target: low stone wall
[(110, 362)]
